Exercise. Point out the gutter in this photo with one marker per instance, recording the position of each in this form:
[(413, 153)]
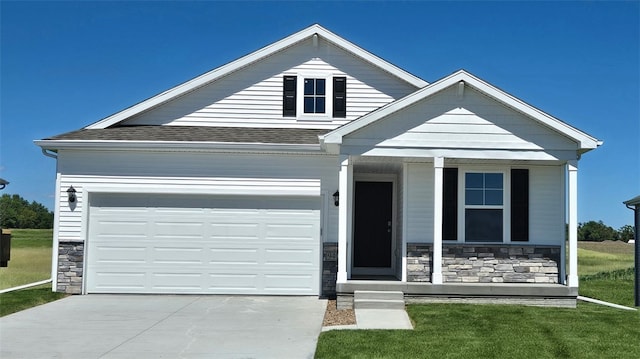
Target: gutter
[(172, 146), (49, 154)]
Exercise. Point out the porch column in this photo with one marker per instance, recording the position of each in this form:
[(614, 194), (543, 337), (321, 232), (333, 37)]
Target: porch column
[(438, 166), (572, 168), (345, 188)]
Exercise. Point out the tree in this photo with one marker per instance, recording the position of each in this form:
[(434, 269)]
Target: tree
[(626, 233), (16, 212), (596, 232)]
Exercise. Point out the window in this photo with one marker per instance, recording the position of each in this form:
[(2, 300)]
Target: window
[(484, 207), (318, 97), (314, 95)]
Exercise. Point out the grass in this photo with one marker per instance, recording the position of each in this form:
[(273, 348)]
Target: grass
[(30, 262), (607, 256), (488, 331), (13, 302), (30, 257)]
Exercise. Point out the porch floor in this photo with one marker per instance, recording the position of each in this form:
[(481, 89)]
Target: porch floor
[(557, 295)]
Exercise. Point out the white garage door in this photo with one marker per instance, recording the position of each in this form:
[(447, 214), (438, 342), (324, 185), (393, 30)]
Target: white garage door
[(199, 244)]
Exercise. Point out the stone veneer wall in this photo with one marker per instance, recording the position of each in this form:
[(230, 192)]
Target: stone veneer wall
[(329, 269), (70, 267), (468, 263), (419, 262), (500, 263)]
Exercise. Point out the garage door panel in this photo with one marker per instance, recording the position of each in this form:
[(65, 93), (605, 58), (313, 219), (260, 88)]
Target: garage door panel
[(272, 247)]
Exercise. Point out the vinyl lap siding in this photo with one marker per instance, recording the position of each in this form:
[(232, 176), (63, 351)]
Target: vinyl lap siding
[(253, 97), (189, 173), (472, 122), (419, 205), (546, 205)]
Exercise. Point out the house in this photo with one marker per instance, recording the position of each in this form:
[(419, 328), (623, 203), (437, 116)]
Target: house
[(313, 167)]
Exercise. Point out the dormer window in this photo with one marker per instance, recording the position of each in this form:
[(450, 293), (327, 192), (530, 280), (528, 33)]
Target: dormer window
[(321, 98), (314, 95)]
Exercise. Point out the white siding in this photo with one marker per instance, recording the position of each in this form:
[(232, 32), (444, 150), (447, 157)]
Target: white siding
[(191, 173), (446, 121), (419, 203), (546, 204), (253, 96)]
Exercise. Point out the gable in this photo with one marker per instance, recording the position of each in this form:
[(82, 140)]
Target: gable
[(460, 125), (248, 91), (460, 116), (253, 97)]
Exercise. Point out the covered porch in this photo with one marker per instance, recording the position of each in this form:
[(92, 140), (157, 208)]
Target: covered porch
[(392, 239)]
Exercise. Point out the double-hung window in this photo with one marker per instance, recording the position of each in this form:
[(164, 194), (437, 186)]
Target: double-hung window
[(484, 206), (314, 95), (318, 97)]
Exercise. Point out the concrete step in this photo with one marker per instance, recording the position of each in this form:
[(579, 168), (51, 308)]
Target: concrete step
[(365, 299), (379, 294)]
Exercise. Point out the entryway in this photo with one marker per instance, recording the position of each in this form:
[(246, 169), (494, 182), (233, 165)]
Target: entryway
[(374, 228)]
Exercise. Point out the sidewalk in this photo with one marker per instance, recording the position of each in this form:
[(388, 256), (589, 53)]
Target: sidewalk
[(377, 319)]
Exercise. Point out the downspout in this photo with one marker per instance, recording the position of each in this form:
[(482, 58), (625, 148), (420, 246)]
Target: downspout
[(54, 257), (636, 210)]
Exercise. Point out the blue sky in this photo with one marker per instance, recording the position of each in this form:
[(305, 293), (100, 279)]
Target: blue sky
[(65, 65)]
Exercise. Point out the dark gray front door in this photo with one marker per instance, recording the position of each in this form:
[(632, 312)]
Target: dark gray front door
[(372, 241)]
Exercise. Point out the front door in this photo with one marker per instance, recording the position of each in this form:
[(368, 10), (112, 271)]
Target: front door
[(373, 228)]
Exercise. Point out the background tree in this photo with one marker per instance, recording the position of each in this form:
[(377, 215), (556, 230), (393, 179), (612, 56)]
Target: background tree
[(596, 232), (16, 212), (626, 233)]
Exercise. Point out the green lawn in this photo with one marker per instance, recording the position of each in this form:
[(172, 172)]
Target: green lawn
[(30, 257), (489, 331), (607, 256)]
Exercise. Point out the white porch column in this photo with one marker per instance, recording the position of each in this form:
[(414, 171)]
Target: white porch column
[(345, 188), (572, 168), (438, 166)]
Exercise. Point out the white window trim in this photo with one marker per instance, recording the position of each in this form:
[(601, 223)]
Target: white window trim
[(328, 106), (506, 201)]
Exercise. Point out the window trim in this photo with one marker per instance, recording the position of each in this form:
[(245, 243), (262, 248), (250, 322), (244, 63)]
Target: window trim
[(328, 103), (505, 207)]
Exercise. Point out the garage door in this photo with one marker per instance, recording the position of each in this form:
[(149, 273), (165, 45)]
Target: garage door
[(196, 244)]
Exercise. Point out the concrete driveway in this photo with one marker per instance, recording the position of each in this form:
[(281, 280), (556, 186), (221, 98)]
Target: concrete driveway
[(154, 326)]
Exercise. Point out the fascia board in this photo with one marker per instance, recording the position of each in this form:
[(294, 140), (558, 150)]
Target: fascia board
[(336, 135), (585, 141), (177, 146), (244, 61)]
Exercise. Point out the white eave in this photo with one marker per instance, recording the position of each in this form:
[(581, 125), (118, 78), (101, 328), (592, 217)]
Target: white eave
[(174, 146), (585, 141), (266, 51)]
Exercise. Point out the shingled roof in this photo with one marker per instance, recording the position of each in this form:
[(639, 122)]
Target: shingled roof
[(196, 134)]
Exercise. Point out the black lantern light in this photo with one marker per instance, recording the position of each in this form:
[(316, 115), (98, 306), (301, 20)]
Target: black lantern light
[(71, 194)]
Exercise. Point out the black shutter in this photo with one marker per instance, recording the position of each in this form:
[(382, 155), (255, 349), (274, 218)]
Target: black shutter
[(339, 97), (289, 96), (520, 205), (450, 204)]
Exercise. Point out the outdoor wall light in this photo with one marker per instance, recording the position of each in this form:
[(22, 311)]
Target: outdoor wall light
[(71, 194), (336, 198)]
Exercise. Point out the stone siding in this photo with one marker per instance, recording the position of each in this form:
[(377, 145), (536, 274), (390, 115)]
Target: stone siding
[(500, 264), (329, 269), (70, 267), (419, 262)]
